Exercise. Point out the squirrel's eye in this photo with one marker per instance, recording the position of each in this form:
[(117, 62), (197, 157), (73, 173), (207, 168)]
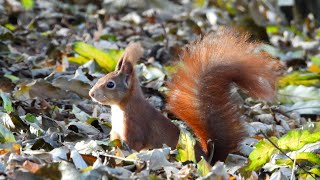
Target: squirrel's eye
[(111, 84)]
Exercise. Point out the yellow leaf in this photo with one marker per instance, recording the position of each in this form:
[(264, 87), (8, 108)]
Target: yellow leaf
[(106, 60), (314, 68), (185, 147), (78, 60)]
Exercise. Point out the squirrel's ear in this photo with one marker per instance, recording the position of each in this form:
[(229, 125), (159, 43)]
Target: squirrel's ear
[(119, 64), (132, 54), (124, 66), (127, 70)]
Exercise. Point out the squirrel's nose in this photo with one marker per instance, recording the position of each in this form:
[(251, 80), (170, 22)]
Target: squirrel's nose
[(91, 93)]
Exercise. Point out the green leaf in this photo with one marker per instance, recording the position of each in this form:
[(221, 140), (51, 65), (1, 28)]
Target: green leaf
[(203, 167), (285, 161), (109, 37), (261, 154), (315, 171), (106, 60), (230, 7), (185, 147), (300, 78), (10, 26), (272, 29), (5, 34), (31, 118), (296, 139), (91, 120), (78, 59), (7, 105), (169, 70), (308, 156), (315, 60), (27, 4), (200, 3), (13, 78), (108, 124), (301, 156), (6, 136), (133, 156), (116, 53)]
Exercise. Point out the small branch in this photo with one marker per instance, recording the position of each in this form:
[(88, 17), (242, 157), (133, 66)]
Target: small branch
[(117, 157), (165, 35)]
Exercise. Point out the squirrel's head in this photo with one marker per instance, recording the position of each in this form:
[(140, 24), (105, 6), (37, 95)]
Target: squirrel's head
[(114, 87)]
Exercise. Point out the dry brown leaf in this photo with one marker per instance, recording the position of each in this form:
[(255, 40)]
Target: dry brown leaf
[(31, 166)]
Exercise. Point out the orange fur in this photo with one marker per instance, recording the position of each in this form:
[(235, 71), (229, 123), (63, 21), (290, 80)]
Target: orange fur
[(201, 88)]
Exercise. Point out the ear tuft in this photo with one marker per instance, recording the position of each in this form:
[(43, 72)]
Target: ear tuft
[(133, 52)]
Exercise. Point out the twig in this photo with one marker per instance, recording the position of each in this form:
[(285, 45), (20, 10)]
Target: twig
[(211, 152), (165, 35), (121, 158)]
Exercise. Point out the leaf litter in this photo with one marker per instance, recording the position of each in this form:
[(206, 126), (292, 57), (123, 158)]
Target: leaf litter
[(52, 52)]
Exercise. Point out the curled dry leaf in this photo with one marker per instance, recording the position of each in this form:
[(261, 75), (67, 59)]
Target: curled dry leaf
[(31, 166)]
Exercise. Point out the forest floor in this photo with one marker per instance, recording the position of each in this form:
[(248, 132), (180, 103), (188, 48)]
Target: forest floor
[(52, 52)]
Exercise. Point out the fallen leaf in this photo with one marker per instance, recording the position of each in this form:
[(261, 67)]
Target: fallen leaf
[(106, 60), (6, 102), (31, 166), (6, 136)]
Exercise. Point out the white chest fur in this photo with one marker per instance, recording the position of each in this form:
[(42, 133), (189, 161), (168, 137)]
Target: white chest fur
[(117, 120)]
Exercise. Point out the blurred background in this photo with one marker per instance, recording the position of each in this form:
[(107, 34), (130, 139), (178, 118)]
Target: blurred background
[(53, 51)]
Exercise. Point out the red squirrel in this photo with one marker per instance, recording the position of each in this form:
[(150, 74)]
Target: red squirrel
[(200, 93)]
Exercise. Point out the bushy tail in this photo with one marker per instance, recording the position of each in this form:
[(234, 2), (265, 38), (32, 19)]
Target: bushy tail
[(201, 90)]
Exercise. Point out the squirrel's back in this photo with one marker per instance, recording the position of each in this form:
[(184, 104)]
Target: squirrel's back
[(201, 90)]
